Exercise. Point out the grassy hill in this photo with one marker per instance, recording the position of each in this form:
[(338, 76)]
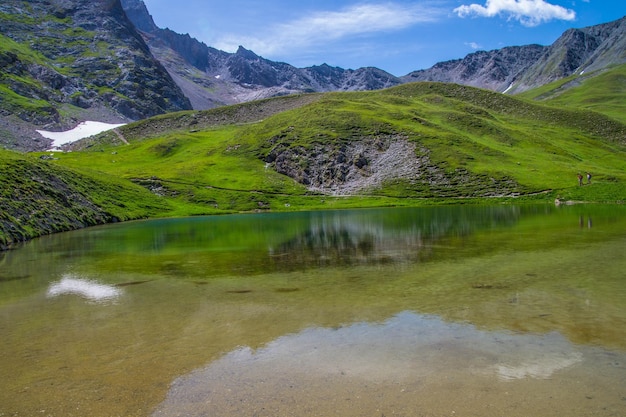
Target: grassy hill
[(38, 198), (602, 92), (422, 143), (458, 132)]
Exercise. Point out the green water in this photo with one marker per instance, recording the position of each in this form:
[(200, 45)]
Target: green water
[(467, 310)]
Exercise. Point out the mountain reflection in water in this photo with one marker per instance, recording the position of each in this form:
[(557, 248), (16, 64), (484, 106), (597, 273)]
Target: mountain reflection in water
[(274, 242)]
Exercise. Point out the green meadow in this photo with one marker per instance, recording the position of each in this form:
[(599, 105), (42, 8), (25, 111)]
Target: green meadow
[(601, 92), (541, 148), (171, 166)]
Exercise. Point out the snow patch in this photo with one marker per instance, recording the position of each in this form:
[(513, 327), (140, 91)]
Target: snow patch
[(83, 130), (508, 88)]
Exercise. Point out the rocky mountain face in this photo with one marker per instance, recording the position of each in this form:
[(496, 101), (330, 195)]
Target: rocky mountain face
[(244, 76), (577, 51), (66, 61), (210, 77), (520, 68), (494, 70)]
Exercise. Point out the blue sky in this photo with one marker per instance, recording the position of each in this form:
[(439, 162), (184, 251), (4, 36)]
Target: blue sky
[(397, 36)]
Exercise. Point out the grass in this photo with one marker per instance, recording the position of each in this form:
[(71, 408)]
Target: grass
[(21, 93), (602, 93), (476, 140), (487, 134), (38, 198), (16, 102)]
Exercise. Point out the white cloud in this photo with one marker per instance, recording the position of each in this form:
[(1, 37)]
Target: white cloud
[(527, 12), (473, 45), (325, 26)]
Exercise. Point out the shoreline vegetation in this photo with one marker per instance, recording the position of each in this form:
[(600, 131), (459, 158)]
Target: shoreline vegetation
[(40, 198), (414, 145)]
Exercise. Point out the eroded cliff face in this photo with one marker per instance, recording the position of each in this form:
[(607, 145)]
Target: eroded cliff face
[(66, 61), (371, 164)]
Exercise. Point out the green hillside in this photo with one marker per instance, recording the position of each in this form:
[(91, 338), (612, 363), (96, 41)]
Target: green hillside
[(477, 144), (16, 82), (38, 198), (602, 92), (422, 143)]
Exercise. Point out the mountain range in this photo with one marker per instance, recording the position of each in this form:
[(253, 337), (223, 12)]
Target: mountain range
[(66, 61)]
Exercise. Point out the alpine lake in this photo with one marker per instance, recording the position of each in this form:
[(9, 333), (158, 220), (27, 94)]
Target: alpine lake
[(503, 310)]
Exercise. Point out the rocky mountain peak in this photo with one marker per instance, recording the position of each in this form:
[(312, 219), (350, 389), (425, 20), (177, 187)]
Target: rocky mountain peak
[(137, 12), (245, 75), (211, 77), (246, 53), (494, 70), (520, 68)]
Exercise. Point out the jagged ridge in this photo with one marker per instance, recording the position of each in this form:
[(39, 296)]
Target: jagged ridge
[(243, 75)]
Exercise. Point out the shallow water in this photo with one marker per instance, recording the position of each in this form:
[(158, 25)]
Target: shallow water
[(472, 311)]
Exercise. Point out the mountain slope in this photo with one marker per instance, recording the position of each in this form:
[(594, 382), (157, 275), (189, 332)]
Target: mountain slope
[(210, 77), (415, 140), (495, 70), (64, 62), (69, 61), (589, 49), (603, 91), (521, 68), (38, 198)]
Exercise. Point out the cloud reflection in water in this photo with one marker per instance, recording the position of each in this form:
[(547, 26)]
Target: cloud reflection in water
[(407, 348), (84, 288)]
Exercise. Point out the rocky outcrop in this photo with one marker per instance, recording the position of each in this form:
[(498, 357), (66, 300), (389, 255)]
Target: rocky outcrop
[(65, 61), (348, 168), (139, 15), (368, 165), (326, 78)]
